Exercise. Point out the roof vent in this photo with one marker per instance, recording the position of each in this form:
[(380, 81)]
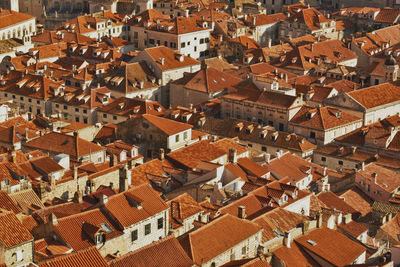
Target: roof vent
[(312, 242)]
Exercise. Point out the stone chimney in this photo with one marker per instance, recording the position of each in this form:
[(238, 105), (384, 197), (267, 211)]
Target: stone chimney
[(114, 160), (324, 171), (242, 212), (287, 240), (75, 174), (374, 176), (161, 154), (319, 220), (78, 197), (232, 155), (269, 44), (362, 166), (267, 158), (124, 178), (103, 199)]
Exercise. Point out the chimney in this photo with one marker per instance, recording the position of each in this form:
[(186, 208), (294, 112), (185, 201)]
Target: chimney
[(374, 176), (319, 220), (353, 149), (287, 239), (242, 212), (269, 43), (78, 197), (53, 219), (278, 154), (103, 199), (267, 158), (232, 155), (324, 171), (114, 161), (161, 154), (312, 47), (362, 166), (75, 172)]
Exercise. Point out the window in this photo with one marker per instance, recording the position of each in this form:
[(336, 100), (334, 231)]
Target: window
[(323, 158), (312, 134), (340, 162), (85, 111), (57, 105), (244, 250), (264, 149), (147, 229), (77, 119), (85, 120), (105, 116), (160, 223), (38, 102), (18, 255), (183, 45), (77, 85), (30, 100), (114, 117), (134, 235), (76, 109), (201, 41), (22, 98), (65, 107), (13, 96), (177, 138)]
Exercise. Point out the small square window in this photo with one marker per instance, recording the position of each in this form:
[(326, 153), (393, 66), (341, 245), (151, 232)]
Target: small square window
[(323, 159), (340, 162), (104, 115), (134, 235), (147, 229), (160, 223), (76, 109)]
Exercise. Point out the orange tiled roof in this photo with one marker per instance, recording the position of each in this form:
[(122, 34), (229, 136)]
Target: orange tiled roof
[(10, 17), (172, 59), (62, 143), (76, 230), (332, 246), (165, 252), (168, 126), (323, 118), (377, 95), (90, 257), (333, 201), (122, 206), (12, 232), (7, 203), (217, 237)]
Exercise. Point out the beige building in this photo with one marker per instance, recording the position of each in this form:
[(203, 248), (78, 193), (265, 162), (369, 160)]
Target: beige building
[(167, 65), (16, 247), (230, 237), (267, 107), (323, 124), (198, 87), (151, 133), (305, 21), (372, 104)]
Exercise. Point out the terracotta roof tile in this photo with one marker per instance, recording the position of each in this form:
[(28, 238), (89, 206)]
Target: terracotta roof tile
[(353, 228), (217, 237), (333, 201), (62, 143), (377, 95), (71, 228), (122, 206), (165, 252), (172, 59), (12, 232), (358, 200), (278, 219), (90, 257), (332, 246), (323, 118), (10, 17)]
